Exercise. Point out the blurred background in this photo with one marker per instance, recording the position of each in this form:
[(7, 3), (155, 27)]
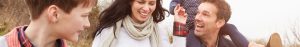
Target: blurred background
[(258, 19)]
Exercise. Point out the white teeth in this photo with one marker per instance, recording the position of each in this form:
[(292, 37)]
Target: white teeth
[(143, 13), (199, 25)]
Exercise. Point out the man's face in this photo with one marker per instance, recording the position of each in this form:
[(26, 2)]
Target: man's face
[(206, 23), (70, 25)]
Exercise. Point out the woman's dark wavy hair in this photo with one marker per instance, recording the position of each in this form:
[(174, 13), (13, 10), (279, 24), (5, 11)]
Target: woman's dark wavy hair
[(122, 8)]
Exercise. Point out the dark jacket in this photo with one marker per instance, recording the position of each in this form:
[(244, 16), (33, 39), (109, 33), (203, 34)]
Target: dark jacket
[(237, 39), (222, 42)]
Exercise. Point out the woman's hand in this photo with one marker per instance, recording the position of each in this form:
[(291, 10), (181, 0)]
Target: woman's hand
[(179, 14)]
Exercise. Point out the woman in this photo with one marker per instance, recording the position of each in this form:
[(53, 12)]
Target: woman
[(130, 23)]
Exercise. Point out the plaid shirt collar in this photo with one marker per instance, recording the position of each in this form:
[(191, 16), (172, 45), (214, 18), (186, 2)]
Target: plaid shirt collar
[(24, 41)]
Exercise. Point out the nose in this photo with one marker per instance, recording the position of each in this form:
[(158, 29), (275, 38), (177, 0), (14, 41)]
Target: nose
[(146, 9), (86, 23), (198, 18)]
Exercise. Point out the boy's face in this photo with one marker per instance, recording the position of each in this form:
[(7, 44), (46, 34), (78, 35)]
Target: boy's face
[(69, 25)]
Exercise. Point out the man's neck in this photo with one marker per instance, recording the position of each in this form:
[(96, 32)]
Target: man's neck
[(39, 35), (211, 40)]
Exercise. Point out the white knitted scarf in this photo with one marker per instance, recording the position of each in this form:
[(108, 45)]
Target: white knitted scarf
[(135, 31)]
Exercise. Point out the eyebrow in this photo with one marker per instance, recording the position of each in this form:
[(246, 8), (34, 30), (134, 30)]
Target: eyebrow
[(205, 11), (149, 1), (142, 0), (153, 1), (88, 13)]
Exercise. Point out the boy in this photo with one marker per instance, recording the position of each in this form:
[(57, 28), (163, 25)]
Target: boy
[(52, 22)]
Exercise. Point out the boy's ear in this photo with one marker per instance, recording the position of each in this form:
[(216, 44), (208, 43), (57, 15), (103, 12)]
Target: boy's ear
[(52, 14)]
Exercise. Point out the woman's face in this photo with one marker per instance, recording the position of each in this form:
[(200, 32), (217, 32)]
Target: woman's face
[(142, 10)]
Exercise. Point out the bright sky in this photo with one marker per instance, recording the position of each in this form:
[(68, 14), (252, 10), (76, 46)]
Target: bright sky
[(258, 19)]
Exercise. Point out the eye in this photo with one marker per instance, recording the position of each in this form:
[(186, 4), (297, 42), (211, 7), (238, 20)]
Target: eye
[(152, 3), (85, 15), (205, 13), (141, 2)]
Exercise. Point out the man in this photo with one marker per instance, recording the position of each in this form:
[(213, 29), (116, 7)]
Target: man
[(227, 29), (211, 17), (52, 22)]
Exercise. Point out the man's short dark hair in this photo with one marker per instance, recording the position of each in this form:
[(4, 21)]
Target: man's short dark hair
[(224, 11)]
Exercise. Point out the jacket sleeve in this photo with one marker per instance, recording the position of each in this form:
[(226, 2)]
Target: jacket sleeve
[(237, 38), (100, 39), (3, 41)]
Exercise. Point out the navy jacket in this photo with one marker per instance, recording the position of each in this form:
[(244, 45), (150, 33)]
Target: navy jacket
[(237, 39)]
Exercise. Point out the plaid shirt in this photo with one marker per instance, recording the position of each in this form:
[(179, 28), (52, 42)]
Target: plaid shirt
[(17, 38), (179, 29)]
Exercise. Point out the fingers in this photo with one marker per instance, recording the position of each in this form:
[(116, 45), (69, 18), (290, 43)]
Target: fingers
[(252, 44), (177, 7)]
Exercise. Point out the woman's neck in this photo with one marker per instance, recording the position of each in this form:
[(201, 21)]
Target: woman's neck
[(40, 36)]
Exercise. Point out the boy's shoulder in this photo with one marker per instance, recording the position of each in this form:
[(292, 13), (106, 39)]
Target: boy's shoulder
[(3, 41), (10, 38)]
